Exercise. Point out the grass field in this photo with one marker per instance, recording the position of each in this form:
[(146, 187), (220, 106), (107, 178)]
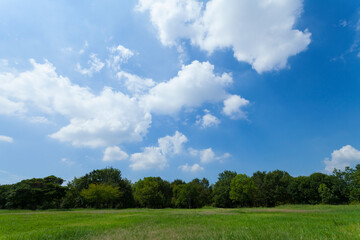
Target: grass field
[(285, 222)]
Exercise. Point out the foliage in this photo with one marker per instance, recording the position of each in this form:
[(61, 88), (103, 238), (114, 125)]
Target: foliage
[(105, 188), (36, 193), (222, 189), (194, 194), (108, 176), (101, 195), (243, 190), (152, 192)]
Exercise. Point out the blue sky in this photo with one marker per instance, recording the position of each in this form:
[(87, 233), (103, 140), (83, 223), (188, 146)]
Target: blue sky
[(178, 88)]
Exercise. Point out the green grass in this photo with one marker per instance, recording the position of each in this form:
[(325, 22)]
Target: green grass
[(285, 222)]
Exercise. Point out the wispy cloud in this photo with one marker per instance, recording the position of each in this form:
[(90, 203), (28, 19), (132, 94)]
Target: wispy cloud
[(6, 139), (95, 66)]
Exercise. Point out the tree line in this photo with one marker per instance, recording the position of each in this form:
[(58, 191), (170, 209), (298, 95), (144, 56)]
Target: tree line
[(106, 188)]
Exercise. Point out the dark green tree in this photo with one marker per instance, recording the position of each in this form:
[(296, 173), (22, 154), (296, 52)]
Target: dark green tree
[(152, 192), (274, 188), (222, 190), (36, 193)]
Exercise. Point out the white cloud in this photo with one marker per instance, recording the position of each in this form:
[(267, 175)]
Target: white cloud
[(95, 120), (194, 85), (151, 157), (208, 120), (346, 156), (259, 32), (156, 157), (117, 56), (207, 155), (194, 168), (172, 144), (95, 65), (8, 107), (104, 120), (6, 139), (114, 154), (108, 118), (135, 84), (233, 105)]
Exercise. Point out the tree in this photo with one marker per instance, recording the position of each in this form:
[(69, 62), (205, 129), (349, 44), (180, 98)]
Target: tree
[(243, 190), (152, 192), (36, 193), (299, 190), (327, 197), (258, 178), (194, 194), (107, 176), (101, 195), (3, 195), (354, 179), (222, 189), (275, 186), (315, 180)]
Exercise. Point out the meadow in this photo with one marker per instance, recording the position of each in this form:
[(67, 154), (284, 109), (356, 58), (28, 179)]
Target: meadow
[(284, 222)]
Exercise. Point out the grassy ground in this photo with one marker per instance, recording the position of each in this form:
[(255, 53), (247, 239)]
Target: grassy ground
[(285, 222)]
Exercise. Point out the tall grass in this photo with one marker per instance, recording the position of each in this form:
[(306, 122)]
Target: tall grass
[(285, 222)]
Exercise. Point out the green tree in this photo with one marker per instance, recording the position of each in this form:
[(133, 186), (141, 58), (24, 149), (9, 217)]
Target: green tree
[(354, 179), (222, 190), (152, 192), (101, 195), (243, 191), (327, 197), (274, 188), (107, 176), (36, 193), (299, 190), (3, 195), (258, 178), (194, 194)]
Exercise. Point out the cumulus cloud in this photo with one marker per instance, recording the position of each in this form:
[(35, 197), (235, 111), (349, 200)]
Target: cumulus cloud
[(151, 157), (94, 120), (156, 156), (8, 107), (114, 154), (110, 117), (207, 155), (208, 120), (95, 65), (118, 55), (232, 107), (259, 32), (135, 84), (194, 85), (6, 139), (194, 168), (346, 156)]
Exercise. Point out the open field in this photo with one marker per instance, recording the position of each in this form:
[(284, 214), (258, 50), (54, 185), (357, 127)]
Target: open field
[(285, 222)]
